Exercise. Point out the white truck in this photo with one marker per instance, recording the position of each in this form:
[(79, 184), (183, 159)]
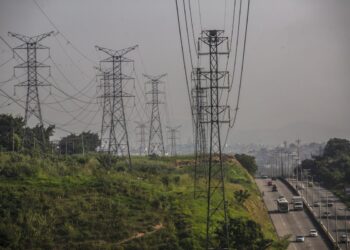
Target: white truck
[(297, 202)]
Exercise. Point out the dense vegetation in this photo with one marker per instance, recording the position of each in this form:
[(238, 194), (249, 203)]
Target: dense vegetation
[(15, 136), (77, 202), (332, 168), (248, 162)]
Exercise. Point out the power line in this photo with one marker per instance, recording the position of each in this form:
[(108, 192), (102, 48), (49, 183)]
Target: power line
[(188, 36), (183, 60), (200, 14), (242, 66), (7, 61), (193, 30), (63, 35), (241, 75)]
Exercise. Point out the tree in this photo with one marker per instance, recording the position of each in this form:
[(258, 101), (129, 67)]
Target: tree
[(77, 144), (248, 162), (243, 234), (11, 131), (241, 196), (336, 146)]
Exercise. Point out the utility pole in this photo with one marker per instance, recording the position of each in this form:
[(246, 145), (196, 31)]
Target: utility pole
[(118, 141), (155, 142), (173, 131), (141, 126), (298, 160), (199, 96), (33, 107), (216, 207)]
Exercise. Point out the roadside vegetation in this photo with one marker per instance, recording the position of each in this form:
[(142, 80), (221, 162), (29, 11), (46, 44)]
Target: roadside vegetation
[(65, 195), (78, 202), (332, 168)]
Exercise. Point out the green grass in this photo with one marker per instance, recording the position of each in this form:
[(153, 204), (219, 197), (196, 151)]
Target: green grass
[(74, 203)]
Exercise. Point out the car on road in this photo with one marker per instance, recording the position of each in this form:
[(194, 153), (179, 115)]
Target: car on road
[(274, 188), (313, 233), (326, 214), (310, 184), (269, 183), (274, 178), (264, 177), (330, 204), (317, 204), (344, 239), (300, 238)]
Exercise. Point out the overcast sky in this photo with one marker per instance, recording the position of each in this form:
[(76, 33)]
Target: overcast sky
[(297, 68)]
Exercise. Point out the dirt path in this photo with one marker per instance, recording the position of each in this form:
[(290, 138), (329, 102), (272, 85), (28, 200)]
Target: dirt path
[(141, 234)]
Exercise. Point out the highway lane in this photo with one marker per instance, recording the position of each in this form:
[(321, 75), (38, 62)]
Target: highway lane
[(337, 222), (293, 223)]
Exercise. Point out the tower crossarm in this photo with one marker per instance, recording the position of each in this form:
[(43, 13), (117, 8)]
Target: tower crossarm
[(116, 53), (31, 39)]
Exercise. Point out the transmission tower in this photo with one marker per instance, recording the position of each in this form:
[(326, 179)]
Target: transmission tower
[(155, 143), (199, 96), (173, 132), (32, 84), (114, 122), (105, 86), (141, 126), (216, 199)]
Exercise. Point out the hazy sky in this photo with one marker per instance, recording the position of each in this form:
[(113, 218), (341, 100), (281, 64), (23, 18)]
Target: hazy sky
[(297, 69)]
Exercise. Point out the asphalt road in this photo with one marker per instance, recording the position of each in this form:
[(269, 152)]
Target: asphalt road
[(337, 222), (293, 223)]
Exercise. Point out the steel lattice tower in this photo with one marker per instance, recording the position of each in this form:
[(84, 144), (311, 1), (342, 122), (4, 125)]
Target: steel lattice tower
[(173, 131), (199, 97), (216, 199), (141, 126), (32, 65), (156, 142), (105, 86), (114, 122)]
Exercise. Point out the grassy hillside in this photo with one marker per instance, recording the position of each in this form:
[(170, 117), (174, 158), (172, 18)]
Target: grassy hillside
[(81, 203)]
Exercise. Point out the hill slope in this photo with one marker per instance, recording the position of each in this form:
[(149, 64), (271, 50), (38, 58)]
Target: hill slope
[(81, 203)]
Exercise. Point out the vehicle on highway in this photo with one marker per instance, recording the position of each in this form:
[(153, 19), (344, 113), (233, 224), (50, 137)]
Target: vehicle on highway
[(274, 178), (269, 183), (274, 188), (313, 233), (264, 177), (330, 204), (298, 205), (317, 204), (282, 205), (326, 214), (344, 239), (300, 187), (300, 238), (281, 196), (310, 184), (296, 198)]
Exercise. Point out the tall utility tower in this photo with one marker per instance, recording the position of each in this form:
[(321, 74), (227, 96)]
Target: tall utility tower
[(105, 86), (216, 199), (141, 127), (156, 142), (199, 96), (173, 131), (32, 84), (114, 122)]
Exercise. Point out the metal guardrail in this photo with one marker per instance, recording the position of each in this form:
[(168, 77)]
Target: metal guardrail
[(331, 242)]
